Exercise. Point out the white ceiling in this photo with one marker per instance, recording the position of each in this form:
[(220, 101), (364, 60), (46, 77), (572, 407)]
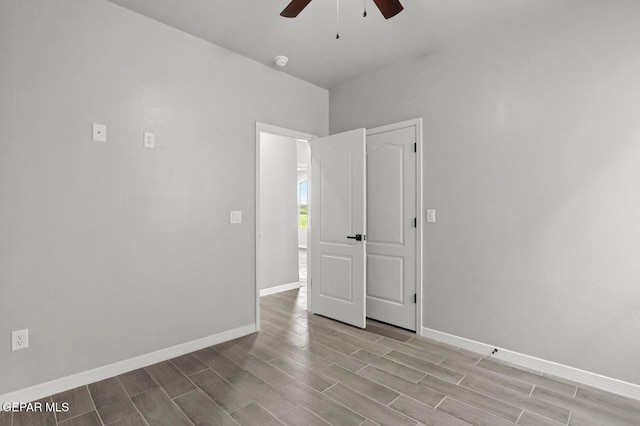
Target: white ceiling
[(255, 29)]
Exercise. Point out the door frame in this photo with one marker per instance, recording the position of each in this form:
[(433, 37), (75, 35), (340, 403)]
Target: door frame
[(417, 123), (280, 131)]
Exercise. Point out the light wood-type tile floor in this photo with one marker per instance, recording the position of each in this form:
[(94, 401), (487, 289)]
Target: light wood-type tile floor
[(302, 369)]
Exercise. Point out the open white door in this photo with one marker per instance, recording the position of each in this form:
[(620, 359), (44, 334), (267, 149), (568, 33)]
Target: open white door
[(338, 216)]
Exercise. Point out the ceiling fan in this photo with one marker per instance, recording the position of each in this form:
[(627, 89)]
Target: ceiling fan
[(388, 8)]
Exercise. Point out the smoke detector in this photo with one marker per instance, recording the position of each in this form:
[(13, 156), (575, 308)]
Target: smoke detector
[(281, 60)]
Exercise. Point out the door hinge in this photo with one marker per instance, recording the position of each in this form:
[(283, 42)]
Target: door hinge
[(415, 222), (415, 298), (415, 147)]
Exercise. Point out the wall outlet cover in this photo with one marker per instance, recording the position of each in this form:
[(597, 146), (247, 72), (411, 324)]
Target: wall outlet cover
[(20, 339), (149, 140), (235, 217), (99, 132)]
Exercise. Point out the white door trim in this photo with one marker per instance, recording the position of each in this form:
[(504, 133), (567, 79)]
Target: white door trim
[(417, 123), (275, 130)]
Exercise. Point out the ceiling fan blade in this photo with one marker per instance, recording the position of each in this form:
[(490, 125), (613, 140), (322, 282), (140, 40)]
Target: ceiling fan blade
[(389, 8), (294, 8)]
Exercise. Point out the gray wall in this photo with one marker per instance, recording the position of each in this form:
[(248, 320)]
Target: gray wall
[(532, 154), (278, 211), (108, 250)]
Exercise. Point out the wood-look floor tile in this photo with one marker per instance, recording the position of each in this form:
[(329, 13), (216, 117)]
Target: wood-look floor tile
[(543, 408), (441, 349), (413, 351), (301, 416), (34, 419), (320, 325), (220, 347), (223, 393), (483, 402), (276, 339), (307, 369), (460, 365), (158, 410), (260, 350), (421, 393), (188, 364), (137, 381), (530, 419), (388, 331), (290, 326), (390, 366), (581, 417), (323, 406), (284, 325), (365, 406), (287, 337), (373, 390), (584, 412), (345, 348), (372, 347), (424, 414), (5, 418), (133, 420), (78, 400), (87, 419), (338, 358), (305, 357), (610, 401), (267, 396), (528, 377), (261, 369), (302, 373), (202, 411), (254, 415), (358, 333), (471, 415), (425, 366), (111, 400), (170, 379), (500, 380), (218, 362)]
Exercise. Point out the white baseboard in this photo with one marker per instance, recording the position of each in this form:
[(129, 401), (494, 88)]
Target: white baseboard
[(80, 379), (279, 288), (609, 384)]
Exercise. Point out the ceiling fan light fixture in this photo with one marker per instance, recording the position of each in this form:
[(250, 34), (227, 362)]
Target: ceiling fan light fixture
[(281, 60)]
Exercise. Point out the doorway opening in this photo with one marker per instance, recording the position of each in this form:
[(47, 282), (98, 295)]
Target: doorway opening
[(348, 280), (282, 203)]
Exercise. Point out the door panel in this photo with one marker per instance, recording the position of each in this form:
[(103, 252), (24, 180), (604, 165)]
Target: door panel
[(338, 201), (391, 210)]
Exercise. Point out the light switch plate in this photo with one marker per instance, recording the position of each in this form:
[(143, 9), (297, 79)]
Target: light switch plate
[(431, 215), (235, 216), (99, 132), (149, 140)]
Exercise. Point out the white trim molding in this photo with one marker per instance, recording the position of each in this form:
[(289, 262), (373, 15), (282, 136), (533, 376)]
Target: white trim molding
[(543, 366), (280, 288), (80, 379)]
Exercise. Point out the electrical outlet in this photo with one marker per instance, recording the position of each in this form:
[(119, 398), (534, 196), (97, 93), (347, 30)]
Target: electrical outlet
[(20, 339), (149, 140)]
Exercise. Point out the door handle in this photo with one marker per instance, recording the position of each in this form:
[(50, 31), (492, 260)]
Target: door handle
[(357, 237)]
